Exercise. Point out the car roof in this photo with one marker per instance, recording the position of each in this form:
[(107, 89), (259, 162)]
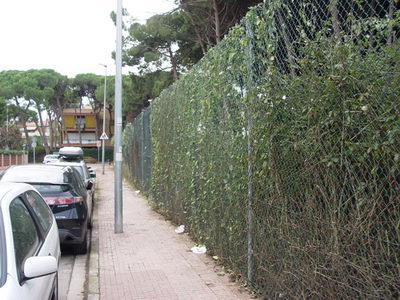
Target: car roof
[(13, 189), (67, 163), (36, 174)]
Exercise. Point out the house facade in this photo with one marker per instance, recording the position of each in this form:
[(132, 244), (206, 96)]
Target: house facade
[(82, 128)]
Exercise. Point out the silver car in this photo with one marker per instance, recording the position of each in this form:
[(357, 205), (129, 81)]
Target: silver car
[(29, 245)]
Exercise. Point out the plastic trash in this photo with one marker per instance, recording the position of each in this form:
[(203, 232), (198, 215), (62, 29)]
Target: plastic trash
[(180, 229), (137, 192), (200, 249)]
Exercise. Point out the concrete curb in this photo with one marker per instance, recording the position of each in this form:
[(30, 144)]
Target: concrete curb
[(93, 283)]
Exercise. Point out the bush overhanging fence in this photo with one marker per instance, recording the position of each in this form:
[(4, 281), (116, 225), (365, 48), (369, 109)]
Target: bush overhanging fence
[(280, 150)]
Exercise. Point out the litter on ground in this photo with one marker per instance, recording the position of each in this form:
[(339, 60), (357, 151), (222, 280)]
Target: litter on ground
[(180, 229), (200, 249)]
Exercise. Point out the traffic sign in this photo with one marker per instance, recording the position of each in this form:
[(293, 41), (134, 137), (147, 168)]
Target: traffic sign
[(104, 136), (98, 144)]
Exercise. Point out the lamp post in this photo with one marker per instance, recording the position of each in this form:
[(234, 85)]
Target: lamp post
[(118, 126), (104, 116)]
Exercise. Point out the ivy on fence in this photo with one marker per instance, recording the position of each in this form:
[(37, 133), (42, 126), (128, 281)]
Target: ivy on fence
[(280, 149)]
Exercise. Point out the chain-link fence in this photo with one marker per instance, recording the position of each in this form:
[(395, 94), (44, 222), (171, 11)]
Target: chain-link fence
[(137, 151), (280, 150)]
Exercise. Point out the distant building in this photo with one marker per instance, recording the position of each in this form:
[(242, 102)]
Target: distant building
[(33, 130), (81, 128)]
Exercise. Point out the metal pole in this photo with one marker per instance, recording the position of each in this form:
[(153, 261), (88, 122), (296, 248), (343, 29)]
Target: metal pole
[(118, 126), (250, 152), (103, 142)]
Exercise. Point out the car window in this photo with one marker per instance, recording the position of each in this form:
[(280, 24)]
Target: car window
[(80, 171), (50, 188), (86, 171), (77, 179), (41, 209), (25, 235)]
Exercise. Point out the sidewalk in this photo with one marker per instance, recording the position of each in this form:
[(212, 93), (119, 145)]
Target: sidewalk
[(148, 260)]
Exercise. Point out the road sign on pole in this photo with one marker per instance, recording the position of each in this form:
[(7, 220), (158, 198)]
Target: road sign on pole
[(104, 136)]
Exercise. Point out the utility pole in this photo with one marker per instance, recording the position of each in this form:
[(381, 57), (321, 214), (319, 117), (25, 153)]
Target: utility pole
[(118, 126)]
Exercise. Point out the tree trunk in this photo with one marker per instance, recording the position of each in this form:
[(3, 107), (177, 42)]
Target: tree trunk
[(288, 44), (24, 121), (217, 21), (63, 129), (26, 132), (197, 32), (110, 111), (51, 131), (42, 132), (173, 63), (335, 19), (390, 29)]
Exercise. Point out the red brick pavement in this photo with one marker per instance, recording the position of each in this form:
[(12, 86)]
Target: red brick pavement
[(149, 260)]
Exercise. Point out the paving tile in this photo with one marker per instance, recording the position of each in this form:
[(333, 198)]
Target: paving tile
[(149, 260)]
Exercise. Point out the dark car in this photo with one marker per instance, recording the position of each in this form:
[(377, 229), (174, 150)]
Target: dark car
[(64, 191), (83, 171)]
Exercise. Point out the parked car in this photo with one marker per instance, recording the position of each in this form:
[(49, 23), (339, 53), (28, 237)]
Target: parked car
[(71, 153), (29, 245), (64, 191), (50, 158), (83, 171)]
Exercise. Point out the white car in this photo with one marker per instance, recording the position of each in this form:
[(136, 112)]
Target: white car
[(29, 245), (50, 158)]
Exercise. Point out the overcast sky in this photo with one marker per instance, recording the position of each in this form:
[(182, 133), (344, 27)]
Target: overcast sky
[(69, 36)]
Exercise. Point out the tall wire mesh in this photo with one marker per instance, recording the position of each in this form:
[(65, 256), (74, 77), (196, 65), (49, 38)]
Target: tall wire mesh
[(137, 151), (280, 150)]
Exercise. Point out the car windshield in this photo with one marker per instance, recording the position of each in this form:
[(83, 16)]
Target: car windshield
[(50, 188), (51, 156)]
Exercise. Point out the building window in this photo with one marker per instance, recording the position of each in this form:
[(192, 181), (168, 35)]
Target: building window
[(80, 122)]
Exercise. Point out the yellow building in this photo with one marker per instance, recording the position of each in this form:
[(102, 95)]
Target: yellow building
[(81, 128)]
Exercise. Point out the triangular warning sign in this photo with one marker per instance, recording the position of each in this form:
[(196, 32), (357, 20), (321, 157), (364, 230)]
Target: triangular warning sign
[(104, 136)]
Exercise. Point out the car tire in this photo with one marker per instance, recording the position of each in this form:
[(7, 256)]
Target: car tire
[(82, 247), (54, 296)]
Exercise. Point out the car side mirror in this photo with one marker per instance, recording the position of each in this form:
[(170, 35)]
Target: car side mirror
[(89, 185), (38, 266)]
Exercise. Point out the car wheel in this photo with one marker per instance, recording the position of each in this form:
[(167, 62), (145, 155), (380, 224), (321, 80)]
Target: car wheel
[(82, 247), (54, 296)]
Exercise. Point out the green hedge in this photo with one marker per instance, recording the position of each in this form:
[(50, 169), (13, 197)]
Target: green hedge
[(280, 151), (15, 152), (92, 152)]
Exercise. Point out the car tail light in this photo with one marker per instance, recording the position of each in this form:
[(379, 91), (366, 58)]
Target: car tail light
[(62, 200)]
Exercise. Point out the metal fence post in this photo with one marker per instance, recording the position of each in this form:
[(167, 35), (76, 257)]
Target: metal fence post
[(250, 153)]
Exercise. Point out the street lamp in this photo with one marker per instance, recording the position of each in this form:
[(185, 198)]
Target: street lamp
[(104, 117), (118, 228)]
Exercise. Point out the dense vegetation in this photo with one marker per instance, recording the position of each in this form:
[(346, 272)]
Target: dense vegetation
[(280, 149)]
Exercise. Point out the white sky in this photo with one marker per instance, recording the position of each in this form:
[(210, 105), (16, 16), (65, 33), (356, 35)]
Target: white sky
[(69, 36)]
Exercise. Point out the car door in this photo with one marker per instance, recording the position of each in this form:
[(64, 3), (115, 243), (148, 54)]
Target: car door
[(27, 242)]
